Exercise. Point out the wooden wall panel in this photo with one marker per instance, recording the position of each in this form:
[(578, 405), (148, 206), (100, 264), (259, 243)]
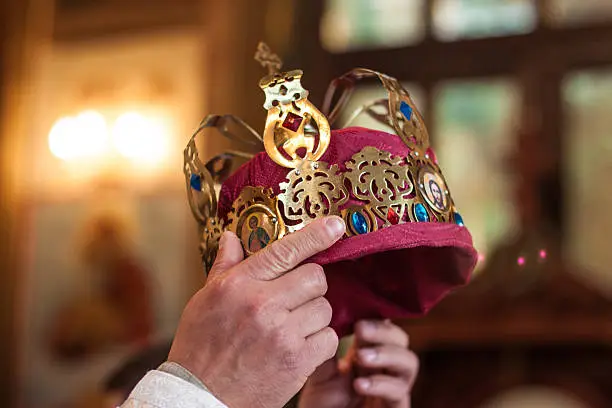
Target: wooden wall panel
[(83, 20), (24, 25)]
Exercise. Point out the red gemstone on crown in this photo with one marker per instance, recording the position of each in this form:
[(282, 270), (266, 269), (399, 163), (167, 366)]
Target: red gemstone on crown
[(292, 122), (392, 216)]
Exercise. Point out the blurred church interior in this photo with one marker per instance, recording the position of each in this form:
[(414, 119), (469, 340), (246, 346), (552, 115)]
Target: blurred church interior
[(98, 98)]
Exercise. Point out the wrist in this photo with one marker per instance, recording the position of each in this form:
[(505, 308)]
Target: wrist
[(158, 387), (181, 372)]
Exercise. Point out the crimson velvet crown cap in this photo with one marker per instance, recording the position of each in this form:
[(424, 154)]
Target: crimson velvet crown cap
[(406, 245)]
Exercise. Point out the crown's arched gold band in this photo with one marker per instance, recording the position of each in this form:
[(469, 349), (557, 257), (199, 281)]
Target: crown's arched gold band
[(368, 109), (224, 124), (201, 177), (200, 185), (402, 114)]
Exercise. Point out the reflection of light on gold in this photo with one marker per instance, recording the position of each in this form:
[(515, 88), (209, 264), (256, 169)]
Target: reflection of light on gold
[(140, 138), (85, 135)]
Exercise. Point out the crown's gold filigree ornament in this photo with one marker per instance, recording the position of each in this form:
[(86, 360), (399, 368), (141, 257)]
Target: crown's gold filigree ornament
[(313, 190), (290, 114), (382, 181), (209, 241), (374, 189)]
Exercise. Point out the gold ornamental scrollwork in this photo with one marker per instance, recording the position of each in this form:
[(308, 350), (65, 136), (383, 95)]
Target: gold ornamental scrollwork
[(209, 241), (313, 190), (382, 181)]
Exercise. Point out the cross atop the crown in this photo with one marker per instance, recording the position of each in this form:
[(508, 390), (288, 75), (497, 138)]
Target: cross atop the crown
[(268, 59)]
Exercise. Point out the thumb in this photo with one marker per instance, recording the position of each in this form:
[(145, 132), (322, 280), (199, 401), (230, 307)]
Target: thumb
[(230, 253)]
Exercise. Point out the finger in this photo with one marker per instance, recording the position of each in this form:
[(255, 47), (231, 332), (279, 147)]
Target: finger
[(311, 317), (391, 389), (380, 332), (230, 254), (393, 358), (302, 285), (285, 254), (321, 347)]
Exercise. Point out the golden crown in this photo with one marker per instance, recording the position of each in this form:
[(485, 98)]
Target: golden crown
[(377, 190)]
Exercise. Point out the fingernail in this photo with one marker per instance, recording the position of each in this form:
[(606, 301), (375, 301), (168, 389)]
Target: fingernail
[(368, 354), (364, 383), (335, 225), (368, 325)]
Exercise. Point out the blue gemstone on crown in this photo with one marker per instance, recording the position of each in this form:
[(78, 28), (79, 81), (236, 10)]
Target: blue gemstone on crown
[(359, 222), (458, 219), (420, 213), (195, 182), (406, 110)]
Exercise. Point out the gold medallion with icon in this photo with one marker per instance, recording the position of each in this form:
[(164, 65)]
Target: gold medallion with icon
[(434, 190), (256, 220)]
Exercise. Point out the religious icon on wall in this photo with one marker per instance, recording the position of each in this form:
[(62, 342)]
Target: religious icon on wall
[(117, 306), (106, 278), (434, 190)]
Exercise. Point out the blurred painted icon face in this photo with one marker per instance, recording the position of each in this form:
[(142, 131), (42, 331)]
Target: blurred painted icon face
[(106, 241), (437, 194), (253, 222)]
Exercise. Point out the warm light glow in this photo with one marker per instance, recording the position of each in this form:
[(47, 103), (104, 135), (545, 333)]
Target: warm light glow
[(140, 138), (543, 254), (85, 135), (60, 139), (521, 261)]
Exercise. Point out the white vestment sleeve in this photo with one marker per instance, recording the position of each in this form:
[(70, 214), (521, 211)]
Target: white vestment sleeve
[(160, 389)]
